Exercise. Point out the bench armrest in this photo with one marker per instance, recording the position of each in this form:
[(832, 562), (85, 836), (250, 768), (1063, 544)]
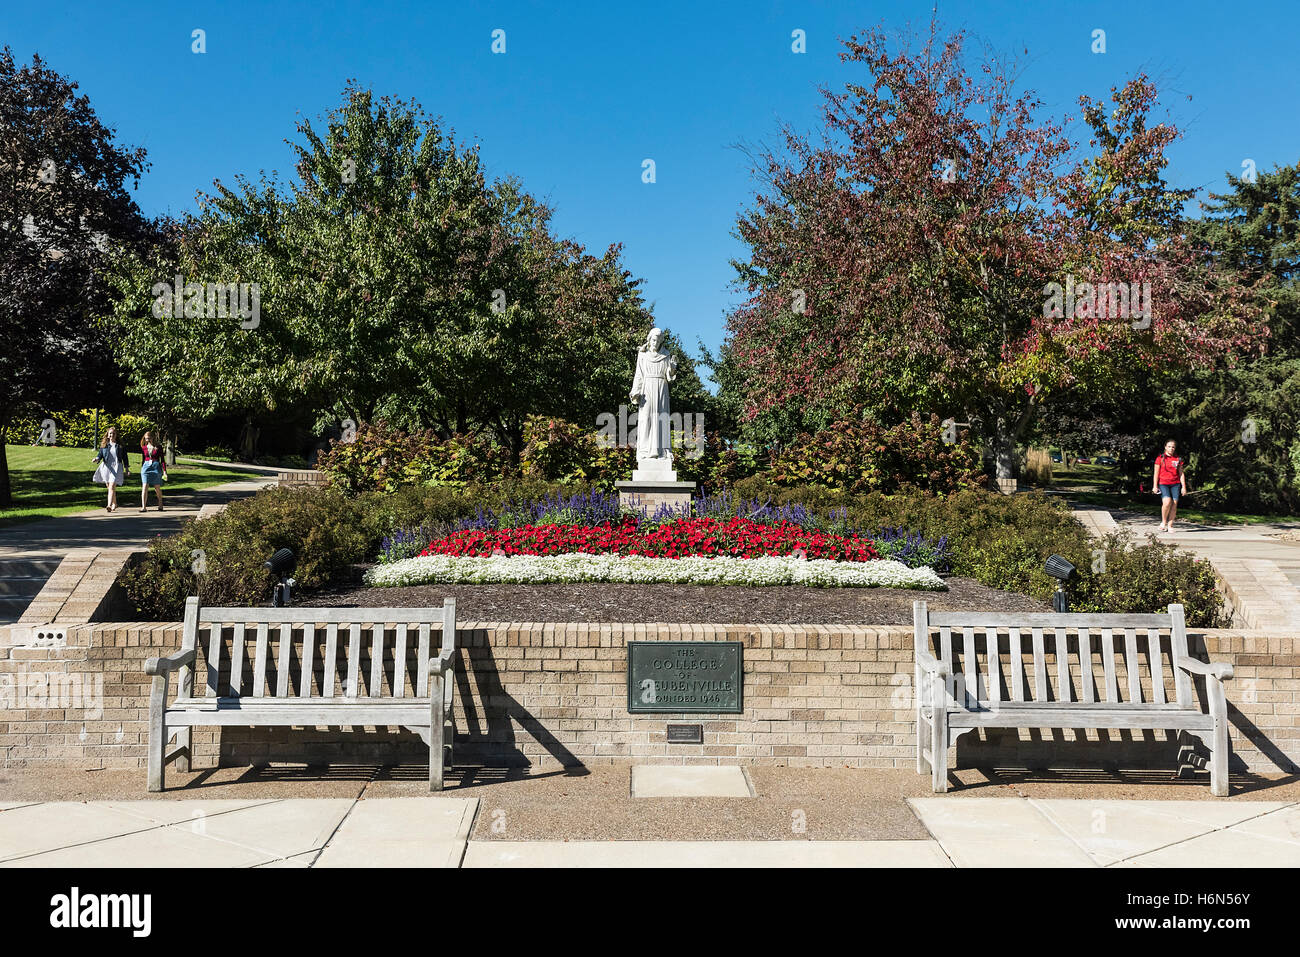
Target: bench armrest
[(929, 663), (161, 666), (441, 664), (1213, 669)]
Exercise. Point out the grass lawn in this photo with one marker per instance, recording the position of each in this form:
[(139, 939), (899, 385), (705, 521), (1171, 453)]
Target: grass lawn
[(48, 481)]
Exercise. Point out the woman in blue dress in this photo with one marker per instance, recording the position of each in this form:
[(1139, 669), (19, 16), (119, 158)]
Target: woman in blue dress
[(153, 470)]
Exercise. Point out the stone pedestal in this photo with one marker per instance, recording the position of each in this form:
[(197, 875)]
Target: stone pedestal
[(651, 493)]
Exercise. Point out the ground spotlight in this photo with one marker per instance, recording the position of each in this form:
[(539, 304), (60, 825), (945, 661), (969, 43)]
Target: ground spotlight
[(281, 565), (1060, 569)]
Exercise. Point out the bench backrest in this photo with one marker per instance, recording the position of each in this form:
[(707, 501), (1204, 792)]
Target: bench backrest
[(997, 658), (315, 652)]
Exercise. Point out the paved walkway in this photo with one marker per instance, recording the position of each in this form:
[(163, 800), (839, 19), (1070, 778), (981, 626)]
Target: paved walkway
[(435, 832), (1259, 564), (98, 529)]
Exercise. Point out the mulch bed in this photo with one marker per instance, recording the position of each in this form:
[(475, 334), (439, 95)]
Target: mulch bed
[(712, 604)]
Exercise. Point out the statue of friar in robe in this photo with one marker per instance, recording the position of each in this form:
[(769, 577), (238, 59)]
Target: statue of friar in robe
[(655, 368)]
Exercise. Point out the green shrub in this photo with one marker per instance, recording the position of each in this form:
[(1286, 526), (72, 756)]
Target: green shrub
[(860, 455), (325, 529), (385, 459), (75, 428), (559, 451)]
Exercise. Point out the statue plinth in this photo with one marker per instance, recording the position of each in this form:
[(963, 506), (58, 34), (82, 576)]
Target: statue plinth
[(653, 484)]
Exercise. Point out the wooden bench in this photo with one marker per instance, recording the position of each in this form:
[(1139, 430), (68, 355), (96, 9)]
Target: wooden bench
[(1084, 671), (301, 684)]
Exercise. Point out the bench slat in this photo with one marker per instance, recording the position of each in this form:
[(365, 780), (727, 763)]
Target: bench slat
[(376, 658), (1178, 649), (408, 713), (1108, 664), (1163, 719), (299, 615), (308, 652), (399, 662), (237, 661), (1131, 665), (422, 663), (331, 662), (1087, 690), (1040, 666), (214, 660), (1007, 619), (1017, 665), (1157, 666), (353, 688), (282, 663), (259, 663), (1063, 691), (994, 668), (970, 677)]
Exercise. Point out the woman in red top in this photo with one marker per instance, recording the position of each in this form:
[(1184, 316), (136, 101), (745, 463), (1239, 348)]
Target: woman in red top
[(153, 470), (1169, 481)]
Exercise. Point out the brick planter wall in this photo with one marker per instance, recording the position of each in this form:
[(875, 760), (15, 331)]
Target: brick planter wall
[(815, 695)]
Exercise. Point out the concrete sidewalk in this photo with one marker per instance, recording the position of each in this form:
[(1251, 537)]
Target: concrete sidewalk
[(371, 816), (435, 832)]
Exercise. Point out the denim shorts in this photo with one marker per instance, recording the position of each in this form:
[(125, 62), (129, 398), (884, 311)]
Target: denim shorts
[(1171, 491)]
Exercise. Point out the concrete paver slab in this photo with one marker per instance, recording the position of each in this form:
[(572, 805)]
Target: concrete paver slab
[(704, 854), (1230, 847), (998, 832), (666, 780), (279, 829), (1112, 831), (1033, 852), (401, 832), (45, 827), (1280, 825), (156, 847), (178, 812)]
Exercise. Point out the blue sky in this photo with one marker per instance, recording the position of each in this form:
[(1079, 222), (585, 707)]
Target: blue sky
[(585, 92)]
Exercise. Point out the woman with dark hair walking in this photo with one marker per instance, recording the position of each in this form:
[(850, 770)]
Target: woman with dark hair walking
[(1169, 482), (114, 465), (153, 470)]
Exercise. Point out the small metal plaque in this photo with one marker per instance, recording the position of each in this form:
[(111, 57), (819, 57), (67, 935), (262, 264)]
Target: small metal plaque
[(683, 677), (686, 734)]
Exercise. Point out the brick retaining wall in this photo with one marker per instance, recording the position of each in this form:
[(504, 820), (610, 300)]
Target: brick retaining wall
[(815, 695)]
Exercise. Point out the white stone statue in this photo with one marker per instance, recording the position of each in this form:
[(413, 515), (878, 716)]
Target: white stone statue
[(655, 368)]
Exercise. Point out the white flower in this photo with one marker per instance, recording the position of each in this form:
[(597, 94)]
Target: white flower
[(582, 567)]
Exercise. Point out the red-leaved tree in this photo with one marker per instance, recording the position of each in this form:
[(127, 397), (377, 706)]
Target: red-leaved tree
[(904, 260)]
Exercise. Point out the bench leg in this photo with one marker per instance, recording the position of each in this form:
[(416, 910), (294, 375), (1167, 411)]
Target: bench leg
[(939, 750), (157, 732), (1220, 746), (1219, 758), (184, 739), (435, 731), (922, 726)]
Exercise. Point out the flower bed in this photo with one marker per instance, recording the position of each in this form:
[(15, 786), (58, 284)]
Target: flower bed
[(694, 570), (681, 538)]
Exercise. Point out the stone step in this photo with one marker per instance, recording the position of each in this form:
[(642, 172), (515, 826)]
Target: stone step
[(21, 580)]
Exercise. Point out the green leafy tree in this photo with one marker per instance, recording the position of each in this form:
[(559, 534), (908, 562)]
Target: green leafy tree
[(64, 207), (395, 279)]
